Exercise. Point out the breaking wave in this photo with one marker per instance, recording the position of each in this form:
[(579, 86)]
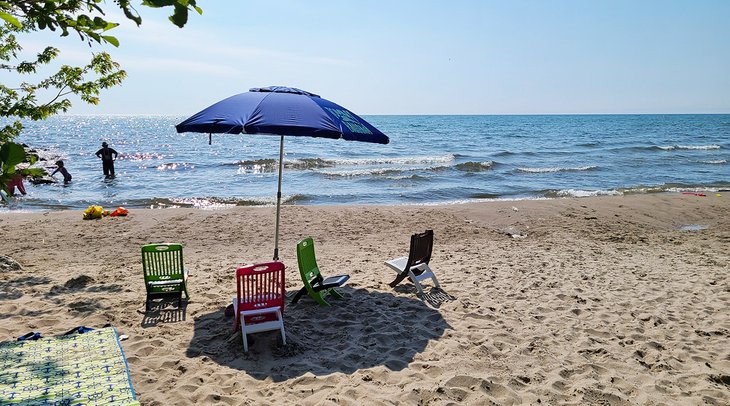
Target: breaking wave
[(566, 169), (581, 193), (415, 160), (686, 147), (475, 166), (271, 165), (380, 171), (213, 202), (714, 162)]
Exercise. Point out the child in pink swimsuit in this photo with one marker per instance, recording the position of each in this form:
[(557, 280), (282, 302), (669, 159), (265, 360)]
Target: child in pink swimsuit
[(16, 181)]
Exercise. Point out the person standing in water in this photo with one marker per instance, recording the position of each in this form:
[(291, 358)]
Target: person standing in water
[(64, 172), (105, 153)]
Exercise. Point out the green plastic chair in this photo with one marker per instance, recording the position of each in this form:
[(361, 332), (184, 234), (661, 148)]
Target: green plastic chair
[(314, 284), (164, 272)]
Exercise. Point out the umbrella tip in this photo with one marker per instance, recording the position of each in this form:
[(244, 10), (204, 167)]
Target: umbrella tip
[(282, 89)]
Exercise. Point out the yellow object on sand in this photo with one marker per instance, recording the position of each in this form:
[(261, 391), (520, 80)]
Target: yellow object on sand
[(93, 212), (718, 195)]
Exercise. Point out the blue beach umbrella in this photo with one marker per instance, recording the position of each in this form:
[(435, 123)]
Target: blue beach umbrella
[(277, 110)]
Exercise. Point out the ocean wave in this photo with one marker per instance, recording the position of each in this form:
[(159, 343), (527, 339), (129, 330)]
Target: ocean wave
[(412, 160), (673, 188), (407, 177), (714, 162), (484, 196), (271, 165), (213, 202), (511, 153), (558, 169), (581, 193), (172, 166), (379, 171), (472, 166), (686, 147)]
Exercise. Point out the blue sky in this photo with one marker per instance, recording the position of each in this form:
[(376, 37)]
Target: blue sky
[(427, 57)]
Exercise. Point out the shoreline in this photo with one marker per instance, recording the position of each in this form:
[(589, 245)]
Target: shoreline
[(561, 301), (215, 203)]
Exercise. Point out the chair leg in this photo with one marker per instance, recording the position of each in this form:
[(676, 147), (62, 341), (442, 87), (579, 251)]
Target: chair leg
[(435, 281), (283, 333), (335, 293), (299, 294), (243, 334), (419, 287), (319, 298), (237, 315), (398, 279)]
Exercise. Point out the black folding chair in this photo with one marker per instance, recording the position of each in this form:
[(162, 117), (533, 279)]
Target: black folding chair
[(415, 265)]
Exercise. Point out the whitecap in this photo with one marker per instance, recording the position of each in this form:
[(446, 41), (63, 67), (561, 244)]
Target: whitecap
[(714, 162), (587, 193), (689, 147), (379, 171), (566, 169), (413, 160)]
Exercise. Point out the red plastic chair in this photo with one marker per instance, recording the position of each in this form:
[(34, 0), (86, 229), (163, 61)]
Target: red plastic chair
[(259, 303)]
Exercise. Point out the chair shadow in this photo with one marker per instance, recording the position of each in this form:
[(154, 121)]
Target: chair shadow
[(164, 311), (363, 330), (433, 296), (437, 297)]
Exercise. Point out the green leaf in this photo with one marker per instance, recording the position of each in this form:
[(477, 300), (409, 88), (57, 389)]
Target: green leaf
[(11, 154), (12, 20), (158, 3), (111, 40), (180, 17), (33, 172)]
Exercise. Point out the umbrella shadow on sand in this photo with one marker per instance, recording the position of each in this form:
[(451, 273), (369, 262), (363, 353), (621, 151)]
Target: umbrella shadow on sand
[(365, 329)]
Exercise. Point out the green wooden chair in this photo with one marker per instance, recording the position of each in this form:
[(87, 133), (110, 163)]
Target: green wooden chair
[(314, 284), (164, 273)]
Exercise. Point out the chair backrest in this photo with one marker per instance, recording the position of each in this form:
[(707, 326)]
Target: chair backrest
[(307, 261), (260, 286), (421, 247), (162, 262)]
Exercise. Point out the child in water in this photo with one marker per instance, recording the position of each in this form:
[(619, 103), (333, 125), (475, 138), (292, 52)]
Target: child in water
[(64, 172), (16, 181)]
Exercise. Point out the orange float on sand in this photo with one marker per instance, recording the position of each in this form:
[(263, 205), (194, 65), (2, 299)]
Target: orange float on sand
[(120, 211)]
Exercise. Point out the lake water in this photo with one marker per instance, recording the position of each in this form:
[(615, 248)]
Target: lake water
[(430, 159)]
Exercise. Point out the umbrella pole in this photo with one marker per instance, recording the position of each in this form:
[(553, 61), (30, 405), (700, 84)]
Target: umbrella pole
[(278, 199)]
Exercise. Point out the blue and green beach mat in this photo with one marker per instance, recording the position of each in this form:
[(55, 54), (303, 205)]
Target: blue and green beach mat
[(79, 369)]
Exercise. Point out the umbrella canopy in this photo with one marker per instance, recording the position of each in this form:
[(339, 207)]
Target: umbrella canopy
[(279, 110)]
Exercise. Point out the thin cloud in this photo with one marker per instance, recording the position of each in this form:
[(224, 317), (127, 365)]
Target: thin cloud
[(177, 65), (202, 44)]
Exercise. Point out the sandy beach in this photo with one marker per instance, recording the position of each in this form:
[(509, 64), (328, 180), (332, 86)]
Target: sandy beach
[(593, 301)]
